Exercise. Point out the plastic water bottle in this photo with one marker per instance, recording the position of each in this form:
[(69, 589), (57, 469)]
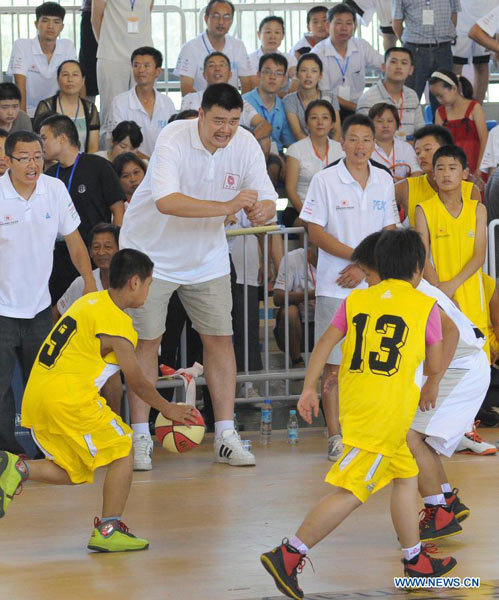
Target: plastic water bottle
[(236, 424), (266, 422), (292, 427)]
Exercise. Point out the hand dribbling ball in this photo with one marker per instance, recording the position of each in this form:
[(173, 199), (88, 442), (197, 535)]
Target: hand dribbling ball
[(177, 437)]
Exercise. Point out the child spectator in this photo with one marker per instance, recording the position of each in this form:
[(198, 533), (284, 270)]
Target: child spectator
[(463, 116), (309, 74), (317, 30), (12, 118)]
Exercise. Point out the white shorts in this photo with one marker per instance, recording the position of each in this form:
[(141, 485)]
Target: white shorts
[(325, 309), (460, 396), (466, 50), (384, 12)]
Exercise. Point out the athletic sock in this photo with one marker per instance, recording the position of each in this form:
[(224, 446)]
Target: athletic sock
[(22, 469), (221, 426), (298, 544), (446, 488), (141, 429), (435, 500), (107, 519), (410, 553)]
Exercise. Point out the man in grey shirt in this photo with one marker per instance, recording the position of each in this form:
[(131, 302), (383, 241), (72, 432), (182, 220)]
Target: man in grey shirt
[(427, 28)]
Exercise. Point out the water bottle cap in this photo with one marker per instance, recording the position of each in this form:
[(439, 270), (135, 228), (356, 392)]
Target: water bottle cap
[(292, 412), (267, 401)]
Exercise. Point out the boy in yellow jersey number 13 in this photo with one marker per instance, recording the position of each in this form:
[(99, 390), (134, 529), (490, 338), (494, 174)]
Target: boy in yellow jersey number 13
[(69, 420), (390, 331)]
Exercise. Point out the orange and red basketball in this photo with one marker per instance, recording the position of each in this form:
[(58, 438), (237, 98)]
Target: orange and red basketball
[(177, 437)]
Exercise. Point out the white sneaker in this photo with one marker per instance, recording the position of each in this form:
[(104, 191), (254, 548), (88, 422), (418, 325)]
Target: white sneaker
[(335, 447), (472, 443), (228, 449), (142, 448)]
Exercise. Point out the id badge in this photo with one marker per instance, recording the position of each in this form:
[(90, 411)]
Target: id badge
[(428, 16), (133, 24), (344, 92)]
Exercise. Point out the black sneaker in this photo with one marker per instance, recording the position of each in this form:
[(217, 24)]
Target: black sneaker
[(424, 565), (460, 510), (437, 522), (283, 563)]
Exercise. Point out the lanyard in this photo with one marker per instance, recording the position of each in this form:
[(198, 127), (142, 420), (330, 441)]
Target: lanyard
[(317, 153), (342, 69), (208, 51), (393, 163), (72, 172), (132, 4), (62, 110), (311, 274), (401, 107), (301, 101)]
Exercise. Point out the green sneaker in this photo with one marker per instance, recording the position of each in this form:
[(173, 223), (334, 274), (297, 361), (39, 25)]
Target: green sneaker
[(10, 479), (113, 536)]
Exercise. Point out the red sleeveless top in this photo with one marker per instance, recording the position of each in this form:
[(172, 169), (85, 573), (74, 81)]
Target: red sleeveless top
[(465, 134)]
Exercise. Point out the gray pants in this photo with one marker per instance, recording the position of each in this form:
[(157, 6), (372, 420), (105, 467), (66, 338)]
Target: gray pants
[(21, 339)]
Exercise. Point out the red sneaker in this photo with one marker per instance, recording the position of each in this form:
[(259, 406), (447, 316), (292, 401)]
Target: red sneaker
[(284, 563), (460, 510), (424, 565), (437, 522)]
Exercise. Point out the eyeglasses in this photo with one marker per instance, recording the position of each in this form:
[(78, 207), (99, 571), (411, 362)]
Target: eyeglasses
[(24, 160), (270, 72), (218, 17)]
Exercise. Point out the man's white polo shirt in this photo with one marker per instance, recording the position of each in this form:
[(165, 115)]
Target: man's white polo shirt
[(28, 230), (337, 202), (193, 100), (28, 59), (347, 73), (490, 22), (192, 250), (127, 107), (490, 159), (192, 54)]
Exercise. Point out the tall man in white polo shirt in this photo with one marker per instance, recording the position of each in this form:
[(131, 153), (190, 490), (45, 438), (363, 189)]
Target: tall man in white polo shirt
[(143, 103), (200, 172), (345, 59), (344, 204), (218, 17), (34, 209), (34, 62)]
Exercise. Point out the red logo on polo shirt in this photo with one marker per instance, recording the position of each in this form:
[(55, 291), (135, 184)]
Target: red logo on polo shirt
[(231, 181)]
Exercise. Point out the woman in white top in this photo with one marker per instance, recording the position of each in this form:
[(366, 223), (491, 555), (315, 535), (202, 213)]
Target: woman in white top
[(308, 156), (308, 73)]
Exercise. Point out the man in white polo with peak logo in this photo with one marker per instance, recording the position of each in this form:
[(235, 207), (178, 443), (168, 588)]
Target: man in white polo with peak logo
[(345, 203), (201, 171)]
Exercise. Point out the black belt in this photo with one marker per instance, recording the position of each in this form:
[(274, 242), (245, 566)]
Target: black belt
[(353, 5), (436, 45)]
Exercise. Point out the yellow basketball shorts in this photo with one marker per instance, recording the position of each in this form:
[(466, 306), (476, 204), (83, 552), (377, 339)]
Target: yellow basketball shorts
[(363, 473), (81, 454)]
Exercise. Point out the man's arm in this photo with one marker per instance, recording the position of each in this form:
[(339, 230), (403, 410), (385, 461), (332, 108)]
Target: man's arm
[(20, 81), (421, 226), (477, 34), (98, 7), (180, 205), (118, 210), (327, 242), (453, 18), (186, 85), (261, 127), (293, 297), (402, 195), (246, 83), (80, 259), (398, 28)]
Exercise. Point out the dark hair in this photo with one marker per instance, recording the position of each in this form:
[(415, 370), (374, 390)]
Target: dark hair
[(148, 51), (50, 9), (189, 113), (399, 254), (65, 62), (441, 134), (315, 10), (9, 91), (356, 119), (340, 9), (122, 159), (279, 59), (125, 264), (104, 228), (216, 53), (325, 104), (38, 121), (399, 49), (271, 19), (126, 129), (304, 50), (462, 84), (20, 136), (62, 124), (452, 152), (364, 252), (3, 133), (212, 2), (310, 56), (223, 95), (378, 109)]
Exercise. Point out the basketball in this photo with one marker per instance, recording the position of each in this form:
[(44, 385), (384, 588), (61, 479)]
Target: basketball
[(177, 437)]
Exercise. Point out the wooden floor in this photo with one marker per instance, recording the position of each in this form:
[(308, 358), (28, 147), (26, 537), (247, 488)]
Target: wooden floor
[(207, 524)]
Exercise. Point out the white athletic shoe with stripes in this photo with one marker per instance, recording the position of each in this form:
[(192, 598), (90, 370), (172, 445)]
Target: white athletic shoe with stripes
[(142, 448), (229, 449)]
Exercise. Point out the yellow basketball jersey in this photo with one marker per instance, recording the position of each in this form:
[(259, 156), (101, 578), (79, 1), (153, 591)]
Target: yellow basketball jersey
[(381, 370), (64, 383), (420, 190), (452, 243)]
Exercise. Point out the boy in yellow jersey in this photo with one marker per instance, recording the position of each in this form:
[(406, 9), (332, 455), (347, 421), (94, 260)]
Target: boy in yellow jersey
[(390, 329), (69, 420), (415, 190)]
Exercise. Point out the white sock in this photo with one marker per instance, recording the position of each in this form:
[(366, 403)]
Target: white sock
[(298, 544), (446, 488), (141, 429), (435, 500), (221, 426), (411, 552)]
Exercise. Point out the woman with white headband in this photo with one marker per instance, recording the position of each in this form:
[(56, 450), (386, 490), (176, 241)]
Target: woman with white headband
[(461, 114)]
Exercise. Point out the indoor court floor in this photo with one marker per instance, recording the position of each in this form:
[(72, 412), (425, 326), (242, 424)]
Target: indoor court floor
[(207, 524)]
